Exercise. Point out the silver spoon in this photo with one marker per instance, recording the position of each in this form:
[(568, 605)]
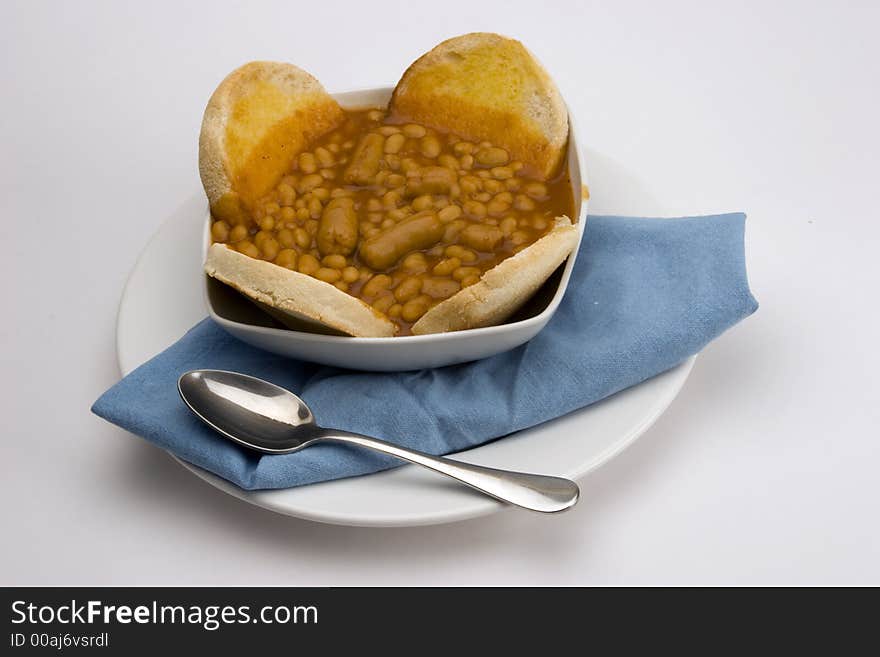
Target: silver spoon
[(264, 417)]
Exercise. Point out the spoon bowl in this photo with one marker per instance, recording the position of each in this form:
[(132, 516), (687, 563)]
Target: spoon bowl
[(267, 418)]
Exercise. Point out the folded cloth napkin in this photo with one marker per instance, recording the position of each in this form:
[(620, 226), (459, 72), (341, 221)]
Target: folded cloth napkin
[(645, 294)]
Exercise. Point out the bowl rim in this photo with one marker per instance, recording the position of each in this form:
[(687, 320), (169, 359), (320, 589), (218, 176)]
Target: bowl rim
[(539, 319)]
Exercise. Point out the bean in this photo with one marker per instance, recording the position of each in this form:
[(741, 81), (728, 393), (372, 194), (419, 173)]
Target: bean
[(497, 207), (448, 161), (447, 266), (492, 157), (261, 237), (471, 184), (463, 254), (463, 272), (423, 202), (415, 262), (449, 213), (409, 165), (388, 130), (238, 233), (474, 209), (285, 238), (269, 248), (383, 303), (286, 194), (324, 157), (220, 231), (308, 264), (338, 229), (335, 261), (415, 308), (519, 237), (414, 131), (307, 163), (493, 186), (390, 199), (523, 203), (286, 258), (440, 287), (394, 143), (314, 208), (408, 289), (508, 225), (502, 173), (430, 146), (418, 232), (400, 213), (481, 237), (327, 274), (536, 190), (453, 228), (308, 183), (302, 237), (248, 248), (376, 284), (396, 180), (350, 274)]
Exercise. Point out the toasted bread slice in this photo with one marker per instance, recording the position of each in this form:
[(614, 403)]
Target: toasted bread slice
[(256, 122), (295, 294), (504, 288), (485, 86)]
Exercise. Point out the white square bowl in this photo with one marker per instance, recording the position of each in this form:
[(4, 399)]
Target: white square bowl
[(245, 321)]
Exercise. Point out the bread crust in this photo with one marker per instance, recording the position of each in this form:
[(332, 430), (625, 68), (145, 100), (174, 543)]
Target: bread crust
[(257, 120), (485, 86), (296, 294), (503, 289)]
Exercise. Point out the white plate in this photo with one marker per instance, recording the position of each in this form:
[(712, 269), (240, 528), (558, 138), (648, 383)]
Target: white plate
[(163, 298)]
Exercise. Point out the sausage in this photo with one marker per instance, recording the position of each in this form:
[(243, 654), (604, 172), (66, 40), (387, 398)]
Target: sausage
[(338, 228), (431, 180), (421, 231), (365, 160)]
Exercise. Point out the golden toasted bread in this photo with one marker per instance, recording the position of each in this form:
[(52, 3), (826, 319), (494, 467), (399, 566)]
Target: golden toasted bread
[(295, 295), (504, 288), (259, 118), (484, 86)]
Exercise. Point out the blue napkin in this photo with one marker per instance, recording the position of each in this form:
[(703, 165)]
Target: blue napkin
[(645, 294)]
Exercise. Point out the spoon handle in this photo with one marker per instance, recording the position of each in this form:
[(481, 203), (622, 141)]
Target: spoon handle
[(530, 491)]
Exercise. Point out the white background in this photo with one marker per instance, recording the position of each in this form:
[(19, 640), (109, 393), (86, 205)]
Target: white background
[(765, 470)]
